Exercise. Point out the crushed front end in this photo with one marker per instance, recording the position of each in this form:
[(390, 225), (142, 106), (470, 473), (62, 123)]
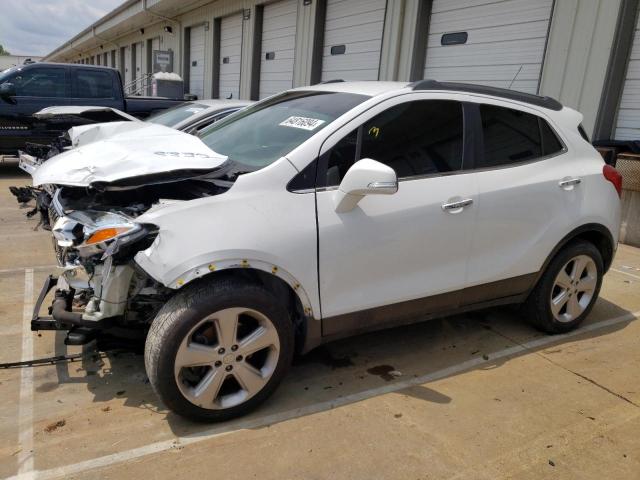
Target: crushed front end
[(100, 289)]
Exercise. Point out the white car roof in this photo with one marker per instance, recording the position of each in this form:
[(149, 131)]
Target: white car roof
[(222, 103), (376, 88), (371, 88)]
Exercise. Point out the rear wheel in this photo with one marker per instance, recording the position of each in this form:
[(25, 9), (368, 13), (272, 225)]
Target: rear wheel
[(218, 349), (568, 289)]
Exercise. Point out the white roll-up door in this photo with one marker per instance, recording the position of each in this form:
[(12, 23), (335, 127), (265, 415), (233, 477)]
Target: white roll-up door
[(138, 64), (196, 61), (230, 56), (500, 44), (127, 64), (628, 121), (353, 39), (278, 46)]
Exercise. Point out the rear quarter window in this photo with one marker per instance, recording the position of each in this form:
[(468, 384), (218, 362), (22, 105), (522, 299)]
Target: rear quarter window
[(512, 136)]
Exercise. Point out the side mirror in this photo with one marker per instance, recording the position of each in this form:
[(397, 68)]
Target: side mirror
[(7, 90), (365, 177)]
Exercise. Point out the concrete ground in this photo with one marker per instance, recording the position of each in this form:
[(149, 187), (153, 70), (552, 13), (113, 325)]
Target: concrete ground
[(480, 396)]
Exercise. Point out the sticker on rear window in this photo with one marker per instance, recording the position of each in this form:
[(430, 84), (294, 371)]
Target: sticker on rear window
[(302, 122)]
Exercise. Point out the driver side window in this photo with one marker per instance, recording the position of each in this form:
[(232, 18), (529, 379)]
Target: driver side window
[(40, 82), (418, 138)]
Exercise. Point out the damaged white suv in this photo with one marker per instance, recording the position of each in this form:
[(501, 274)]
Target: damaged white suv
[(319, 213)]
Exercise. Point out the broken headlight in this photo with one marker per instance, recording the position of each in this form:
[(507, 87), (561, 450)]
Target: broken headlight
[(92, 232)]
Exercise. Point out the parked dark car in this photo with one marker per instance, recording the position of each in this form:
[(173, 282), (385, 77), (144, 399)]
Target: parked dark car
[(27, 89)]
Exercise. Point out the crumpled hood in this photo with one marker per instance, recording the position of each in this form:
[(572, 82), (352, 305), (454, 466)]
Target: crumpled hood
[(84, 134), (141, 152)]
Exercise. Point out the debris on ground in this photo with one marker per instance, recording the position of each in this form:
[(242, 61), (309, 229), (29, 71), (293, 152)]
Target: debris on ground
[(552, 463), (383, 371), (55, 425)]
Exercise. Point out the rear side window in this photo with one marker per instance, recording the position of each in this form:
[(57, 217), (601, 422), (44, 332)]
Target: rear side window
[(512, 136), (93, 84)]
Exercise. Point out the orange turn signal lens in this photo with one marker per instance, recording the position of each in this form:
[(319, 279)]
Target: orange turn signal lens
[(106, 234)]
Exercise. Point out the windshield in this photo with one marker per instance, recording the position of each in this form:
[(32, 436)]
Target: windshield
[(175, 115), (6, 74), (261, 134)]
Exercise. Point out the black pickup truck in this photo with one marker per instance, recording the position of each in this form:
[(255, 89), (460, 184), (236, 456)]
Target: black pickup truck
[(27, 89)]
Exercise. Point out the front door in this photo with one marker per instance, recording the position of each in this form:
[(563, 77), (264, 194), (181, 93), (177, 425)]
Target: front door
[(36, 88), (394, 257)]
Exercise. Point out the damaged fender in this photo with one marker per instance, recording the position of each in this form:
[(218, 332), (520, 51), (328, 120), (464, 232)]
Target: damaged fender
[(192, 242)]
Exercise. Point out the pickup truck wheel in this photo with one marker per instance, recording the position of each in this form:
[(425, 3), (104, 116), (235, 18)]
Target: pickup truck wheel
[(568, 289), (218, 349)]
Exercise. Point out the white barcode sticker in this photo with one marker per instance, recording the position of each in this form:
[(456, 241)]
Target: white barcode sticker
[(302, 122)]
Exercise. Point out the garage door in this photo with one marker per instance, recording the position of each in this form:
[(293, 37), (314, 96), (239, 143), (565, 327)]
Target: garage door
[(628, 121), (196, 61), (127, 65), (490, 43), (137, 73), (278, 47), (230, 56), (353, 39)]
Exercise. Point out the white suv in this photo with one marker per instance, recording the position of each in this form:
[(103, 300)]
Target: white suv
[(319, 213)]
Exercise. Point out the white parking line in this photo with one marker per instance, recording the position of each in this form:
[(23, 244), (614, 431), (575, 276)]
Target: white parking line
[(25, 408), (33, 269), (218, 431), (637, 277)]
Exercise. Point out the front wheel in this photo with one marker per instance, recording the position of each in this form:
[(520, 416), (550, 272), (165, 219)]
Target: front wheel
[(218, 349), (568, 289)]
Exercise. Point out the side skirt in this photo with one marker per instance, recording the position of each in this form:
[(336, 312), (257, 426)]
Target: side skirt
[(503, 292)]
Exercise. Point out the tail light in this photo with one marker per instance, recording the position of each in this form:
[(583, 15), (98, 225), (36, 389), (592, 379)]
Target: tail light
[(614, 177)]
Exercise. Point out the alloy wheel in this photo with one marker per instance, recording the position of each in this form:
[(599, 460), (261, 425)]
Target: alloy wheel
[(227, 358), (574, 288)]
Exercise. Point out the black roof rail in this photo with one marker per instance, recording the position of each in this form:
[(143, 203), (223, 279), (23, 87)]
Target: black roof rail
[(336, 80), (540, 101)]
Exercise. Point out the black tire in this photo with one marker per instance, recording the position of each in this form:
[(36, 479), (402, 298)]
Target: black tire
[(537, 307), (179, 316)]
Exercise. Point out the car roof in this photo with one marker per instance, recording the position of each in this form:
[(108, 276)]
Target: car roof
[(371, 88), (375, 88), (222, 103)]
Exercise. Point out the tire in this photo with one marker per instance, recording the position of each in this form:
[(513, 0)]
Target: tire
[(194, 328), (554, 308)]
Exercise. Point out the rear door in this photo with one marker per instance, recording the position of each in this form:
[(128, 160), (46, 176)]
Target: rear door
[(95, 87), (524, 209), (396, 256)]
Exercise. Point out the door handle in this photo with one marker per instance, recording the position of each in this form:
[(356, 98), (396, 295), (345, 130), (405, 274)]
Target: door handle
[(569, 182), (459, 205)]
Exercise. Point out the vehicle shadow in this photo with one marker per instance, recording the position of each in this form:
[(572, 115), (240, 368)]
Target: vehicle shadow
[(398, 360)]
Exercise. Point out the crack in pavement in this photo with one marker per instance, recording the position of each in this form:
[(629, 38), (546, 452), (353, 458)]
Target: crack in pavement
[(584, 377)]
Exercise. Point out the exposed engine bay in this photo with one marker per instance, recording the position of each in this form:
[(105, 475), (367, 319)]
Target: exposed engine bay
[(91, 196), (95, 239)]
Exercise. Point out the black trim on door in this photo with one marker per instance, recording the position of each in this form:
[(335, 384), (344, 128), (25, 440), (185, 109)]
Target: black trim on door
[(503, 292)]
